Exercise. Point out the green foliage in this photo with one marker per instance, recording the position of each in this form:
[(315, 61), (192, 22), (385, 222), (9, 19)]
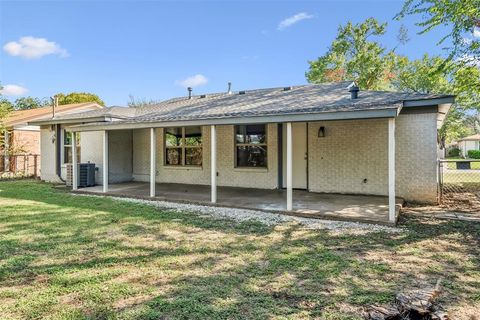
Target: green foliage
[(459, 16), (438, 75), (354, 56), (27, 103), (79, 97), (5, 108), (473, 154), (453, 153)]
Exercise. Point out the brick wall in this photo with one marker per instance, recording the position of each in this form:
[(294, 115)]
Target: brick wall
[(351, 152), (416, 157), (356, 150), (26, 141), (228, 175)]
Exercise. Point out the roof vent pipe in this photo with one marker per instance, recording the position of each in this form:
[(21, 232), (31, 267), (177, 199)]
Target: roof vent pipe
[(189, 92), (54, 105), (229, 88), (354, 92)]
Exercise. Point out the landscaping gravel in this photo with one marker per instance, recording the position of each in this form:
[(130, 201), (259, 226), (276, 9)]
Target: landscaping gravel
[(267, 218)]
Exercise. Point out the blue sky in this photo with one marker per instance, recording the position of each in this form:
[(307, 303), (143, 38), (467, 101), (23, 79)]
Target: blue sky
[(149, 48)]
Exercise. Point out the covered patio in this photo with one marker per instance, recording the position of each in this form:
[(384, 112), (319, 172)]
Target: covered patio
[(361, 208)]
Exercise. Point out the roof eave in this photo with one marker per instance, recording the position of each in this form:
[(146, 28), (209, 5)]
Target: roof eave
[(72, 121), (302, 117), (429, 102)]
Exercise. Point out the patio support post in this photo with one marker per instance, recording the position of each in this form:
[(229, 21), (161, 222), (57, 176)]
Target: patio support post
[(289, 167), (213, 160), (105, 161), (153, 169), (74, 162), (391, 170)]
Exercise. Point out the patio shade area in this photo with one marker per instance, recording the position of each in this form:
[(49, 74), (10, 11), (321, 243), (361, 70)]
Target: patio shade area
[(361, 208)]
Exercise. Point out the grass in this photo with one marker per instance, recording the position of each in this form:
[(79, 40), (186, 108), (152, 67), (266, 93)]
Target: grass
[(76, 257), (474, 164)]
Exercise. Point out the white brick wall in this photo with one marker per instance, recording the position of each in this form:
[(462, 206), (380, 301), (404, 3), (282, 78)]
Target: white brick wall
[(47, 154), (228, 175), (416, 157), (356, 150), (350, 152)]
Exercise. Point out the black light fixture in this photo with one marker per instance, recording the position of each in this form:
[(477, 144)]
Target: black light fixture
[(321, 132)]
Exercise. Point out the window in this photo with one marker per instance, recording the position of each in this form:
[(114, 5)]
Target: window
[(67, 147), (183, 146), (251, 146)]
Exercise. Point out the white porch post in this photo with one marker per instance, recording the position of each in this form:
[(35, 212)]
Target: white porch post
[(105, 161), (213, 160), (74, 162), (289, 167), (391, 170), (153, 161)]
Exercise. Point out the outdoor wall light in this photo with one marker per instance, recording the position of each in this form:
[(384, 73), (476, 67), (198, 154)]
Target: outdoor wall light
[(321, 132)]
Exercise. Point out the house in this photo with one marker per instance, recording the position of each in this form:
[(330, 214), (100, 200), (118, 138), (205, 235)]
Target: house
[(291, 145), (21, 138), (468, 143)]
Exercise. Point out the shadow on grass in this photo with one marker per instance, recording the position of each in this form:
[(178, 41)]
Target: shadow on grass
[(214, 269)]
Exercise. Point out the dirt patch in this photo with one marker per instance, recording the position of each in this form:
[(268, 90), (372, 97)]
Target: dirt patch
[(465, 203)]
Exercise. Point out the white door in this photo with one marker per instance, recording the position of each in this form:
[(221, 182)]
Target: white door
[(299, 139)]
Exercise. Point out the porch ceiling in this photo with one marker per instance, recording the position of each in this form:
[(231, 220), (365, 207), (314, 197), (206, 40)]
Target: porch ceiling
[(372, 209)]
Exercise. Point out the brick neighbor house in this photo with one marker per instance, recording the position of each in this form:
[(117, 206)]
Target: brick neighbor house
[(20, 149)]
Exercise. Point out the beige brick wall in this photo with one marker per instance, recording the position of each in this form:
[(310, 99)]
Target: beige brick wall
[(356, 150), (416, 157), (350, 152), (228, 175)]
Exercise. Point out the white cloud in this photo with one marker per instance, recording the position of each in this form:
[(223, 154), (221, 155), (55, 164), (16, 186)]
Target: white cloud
[(290, 21), (193, 81), (33, 48), (476, 32), (13, 90)]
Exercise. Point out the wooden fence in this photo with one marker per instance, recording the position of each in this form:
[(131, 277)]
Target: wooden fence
[(19, 166)]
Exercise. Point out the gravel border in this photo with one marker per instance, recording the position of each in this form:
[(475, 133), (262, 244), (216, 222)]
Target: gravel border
[(267, 218)]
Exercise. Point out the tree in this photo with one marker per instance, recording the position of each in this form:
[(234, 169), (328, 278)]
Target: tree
[(27, 103), (5, 108), (438, 75), (354, 56), (461, 17), (78, 97)]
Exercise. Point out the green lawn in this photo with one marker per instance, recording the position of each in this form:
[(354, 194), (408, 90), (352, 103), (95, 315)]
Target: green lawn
[(474, 165), (75, 257)]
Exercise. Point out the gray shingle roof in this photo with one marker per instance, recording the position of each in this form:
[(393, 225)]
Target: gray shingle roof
[(303, 99)]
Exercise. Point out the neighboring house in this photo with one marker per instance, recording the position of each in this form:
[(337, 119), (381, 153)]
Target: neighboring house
[(322, 138), (469, 143), (23, 138)]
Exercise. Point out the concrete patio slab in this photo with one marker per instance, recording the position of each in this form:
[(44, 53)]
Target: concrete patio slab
[(361, 208)]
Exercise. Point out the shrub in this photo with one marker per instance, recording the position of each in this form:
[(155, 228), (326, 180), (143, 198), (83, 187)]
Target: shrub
[(474, 154), (453, 153)]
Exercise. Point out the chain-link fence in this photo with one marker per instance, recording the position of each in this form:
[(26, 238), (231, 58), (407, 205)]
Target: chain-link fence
[(459, 181), (19, 166)]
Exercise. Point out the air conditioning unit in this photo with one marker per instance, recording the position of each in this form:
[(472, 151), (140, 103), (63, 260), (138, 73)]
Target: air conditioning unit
[(86, 175)]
